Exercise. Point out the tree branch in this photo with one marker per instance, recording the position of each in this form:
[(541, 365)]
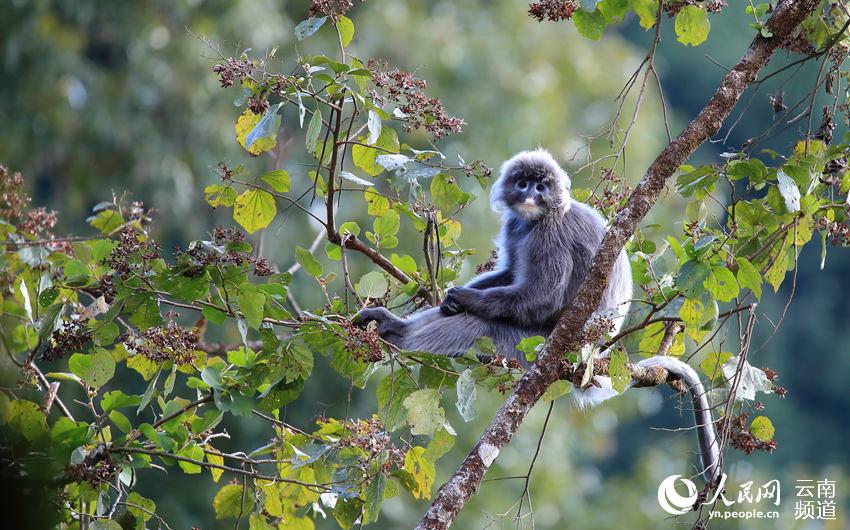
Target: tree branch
[(452, 496)]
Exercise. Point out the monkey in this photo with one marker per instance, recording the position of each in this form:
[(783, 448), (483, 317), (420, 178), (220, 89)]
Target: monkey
[(546, 244)]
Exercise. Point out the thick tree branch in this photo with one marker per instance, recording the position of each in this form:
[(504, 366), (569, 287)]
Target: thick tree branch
[(786, 18)]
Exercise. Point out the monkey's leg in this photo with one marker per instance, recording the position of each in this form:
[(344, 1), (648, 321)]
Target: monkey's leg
[(454, 335)]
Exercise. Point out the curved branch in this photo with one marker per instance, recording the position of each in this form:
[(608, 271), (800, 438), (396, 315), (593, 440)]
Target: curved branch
[(451, 497)]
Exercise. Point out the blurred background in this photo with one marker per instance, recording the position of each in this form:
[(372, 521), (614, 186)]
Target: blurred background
[(111, 97)]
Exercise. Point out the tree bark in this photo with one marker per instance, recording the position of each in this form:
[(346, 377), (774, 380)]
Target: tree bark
[(450, 498)]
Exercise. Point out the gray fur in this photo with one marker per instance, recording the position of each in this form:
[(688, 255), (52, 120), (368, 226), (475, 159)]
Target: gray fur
[(545, 251)]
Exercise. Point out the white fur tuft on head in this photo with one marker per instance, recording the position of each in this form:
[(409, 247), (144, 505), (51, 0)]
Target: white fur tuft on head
[(535, 157)]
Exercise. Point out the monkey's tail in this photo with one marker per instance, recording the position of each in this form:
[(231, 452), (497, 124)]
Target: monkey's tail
[(708, 444)]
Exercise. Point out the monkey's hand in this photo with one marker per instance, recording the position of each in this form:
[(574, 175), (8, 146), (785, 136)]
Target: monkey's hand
[(453, 303)]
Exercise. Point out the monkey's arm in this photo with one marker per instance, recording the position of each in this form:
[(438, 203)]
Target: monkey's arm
[(533, 299), (491, 279)]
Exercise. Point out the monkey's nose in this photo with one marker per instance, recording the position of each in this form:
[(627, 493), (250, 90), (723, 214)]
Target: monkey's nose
[(529, 201)]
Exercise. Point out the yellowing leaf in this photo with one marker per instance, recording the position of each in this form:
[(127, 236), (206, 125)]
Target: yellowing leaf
[(228, 502), (217, 460), (776, 273), (377, 204), (692, 26), (762, 428), (257, 133), (646, 10), (254, 209), (422, 470), (749, 276)]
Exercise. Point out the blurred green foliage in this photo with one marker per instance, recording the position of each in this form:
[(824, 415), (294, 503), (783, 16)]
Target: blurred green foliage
[(119, 96)]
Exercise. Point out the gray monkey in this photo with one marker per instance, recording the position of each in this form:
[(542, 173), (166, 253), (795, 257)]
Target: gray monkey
[(546, 246)]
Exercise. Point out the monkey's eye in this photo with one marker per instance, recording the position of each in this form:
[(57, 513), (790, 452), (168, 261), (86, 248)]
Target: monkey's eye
[(540, 187), (522, 184)]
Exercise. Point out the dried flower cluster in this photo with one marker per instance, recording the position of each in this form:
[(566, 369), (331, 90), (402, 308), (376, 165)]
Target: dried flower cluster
[(838, 232), (477, 168), (73, 336), (160, 344), (13, 198), (233, 70), (329, 8), (226, 248), (554, 10), (741, 438), (132, 252), (363, 344), (418, 110), (371, 437), (490, 264), (13, 203)]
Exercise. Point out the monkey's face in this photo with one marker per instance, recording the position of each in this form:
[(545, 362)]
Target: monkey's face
[(531, 193)]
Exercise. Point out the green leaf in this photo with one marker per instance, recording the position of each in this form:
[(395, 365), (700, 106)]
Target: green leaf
[(372, 285), (228, 502), (424, 413), (387, 224), (313, 130), (140, 507), (589, 25), (96, 368), (440, 444), (254, 209), (446, 194), (214, 315), (346, 30), (618, 369), (100, 248), (277, 179), (712, 366), (749, 276), (120, 421), (105, 334), (311, 265), (195, 452), (404, 262), (762, 428), (692, 25), (588, 5), (251, 302), (104, 524), (305, 28), (530, 347), (374, 497), (391, 393), (692, 276), (106, 221), (117, 399), (26, 418), (722, 284)]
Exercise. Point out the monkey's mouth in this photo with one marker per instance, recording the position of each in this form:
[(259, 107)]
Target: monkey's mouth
[(528, 209)]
